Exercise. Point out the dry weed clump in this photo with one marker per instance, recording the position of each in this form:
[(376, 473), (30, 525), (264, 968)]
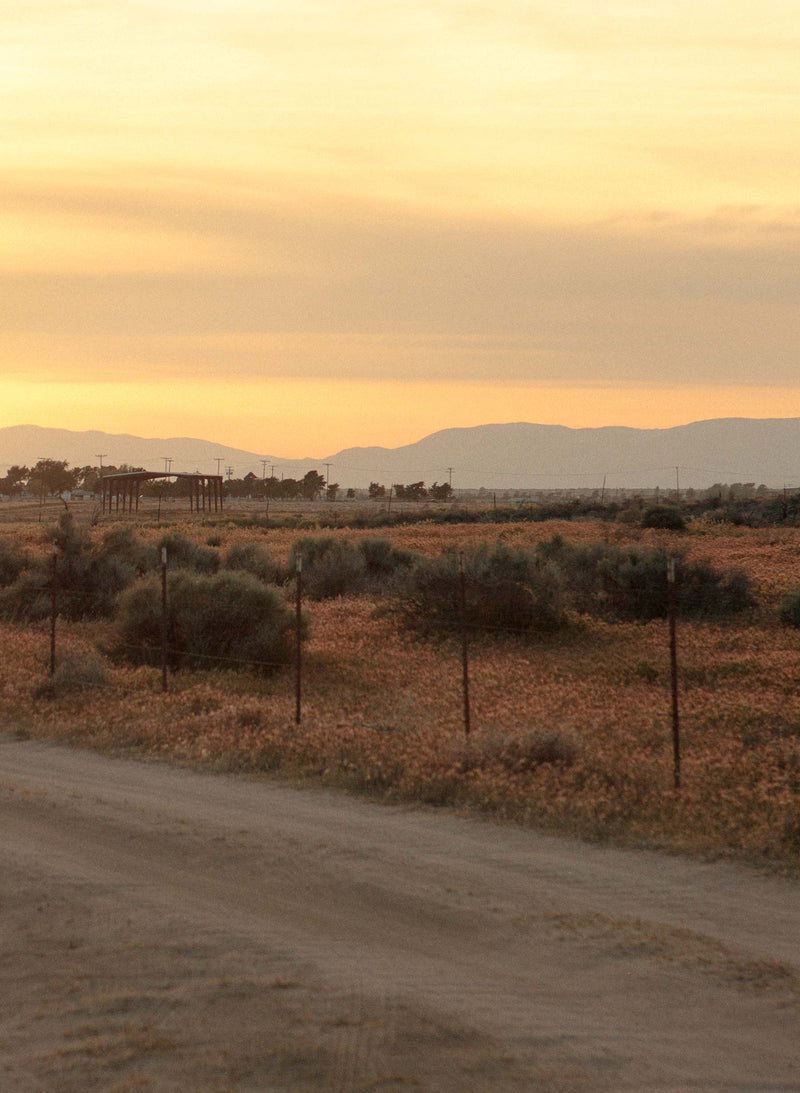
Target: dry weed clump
[(75, 673), (571, 733), (521, 754)]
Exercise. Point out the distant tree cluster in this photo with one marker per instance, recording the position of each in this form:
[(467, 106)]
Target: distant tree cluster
[(54, 477), (310, 487), (417, 491)]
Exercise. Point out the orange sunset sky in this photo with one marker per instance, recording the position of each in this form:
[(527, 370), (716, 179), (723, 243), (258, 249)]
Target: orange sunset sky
[(296, 227)]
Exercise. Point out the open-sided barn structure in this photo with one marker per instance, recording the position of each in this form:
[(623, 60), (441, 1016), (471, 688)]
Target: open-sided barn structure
[(121, 492)]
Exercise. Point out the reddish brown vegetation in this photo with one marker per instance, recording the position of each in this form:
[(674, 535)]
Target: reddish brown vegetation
[(571, 732)]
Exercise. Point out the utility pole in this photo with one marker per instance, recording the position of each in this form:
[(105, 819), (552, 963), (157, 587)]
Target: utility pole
[(218, 461), (167, 464), (101, 456), (450, 477), (677, 485), (229, 472), (327, 467)]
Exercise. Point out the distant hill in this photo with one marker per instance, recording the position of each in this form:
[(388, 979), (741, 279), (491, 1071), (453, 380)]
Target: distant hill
[(26, 444), (526, 456), (511, 456)]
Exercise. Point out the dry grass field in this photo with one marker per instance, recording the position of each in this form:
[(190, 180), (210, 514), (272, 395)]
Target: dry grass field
[(570, 732)]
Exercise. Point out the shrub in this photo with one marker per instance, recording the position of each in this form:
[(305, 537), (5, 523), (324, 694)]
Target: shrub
[(75, 673), (631, 583), (252, 558), (12, 563), (789, 609), (666, 517), (123, 544), (518, 754), (504, 589), (183, 553), (87, 580), (227, 620), (331, 567), (383, 561)]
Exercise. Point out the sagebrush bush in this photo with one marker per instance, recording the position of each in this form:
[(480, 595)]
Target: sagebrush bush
[(12, 563), (228, 620), (518, 754), (338, 567), (252, 558), (88, 580), (331, 567), (789, 609), (75, 672), (504, 590), (384, 562), (666, 517), (123, 544), (630, 583), (183, 553)]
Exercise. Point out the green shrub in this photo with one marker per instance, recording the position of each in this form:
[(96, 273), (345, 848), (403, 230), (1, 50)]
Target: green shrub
[(337, 567), (88, 581), (252, 558), (331, 567), (229, 620), (789, 609), (666, 517), (518, 754), (75, 672), (504, 590), (12, 563), (183, 553), (123, 544), (631, 583), (384, 562)]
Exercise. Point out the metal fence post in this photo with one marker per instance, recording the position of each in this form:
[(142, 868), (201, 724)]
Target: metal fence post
[(673, 662), (164, 621), (462, 584), (299, 646), (53, 610)]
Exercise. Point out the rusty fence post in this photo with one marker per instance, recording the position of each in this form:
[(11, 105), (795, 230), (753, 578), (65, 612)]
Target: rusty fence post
[(673, 662), (164, 620), (53, 609), (299, 644), (462, 587)]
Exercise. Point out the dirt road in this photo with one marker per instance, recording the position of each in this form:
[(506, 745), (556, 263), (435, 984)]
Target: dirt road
[(166, 929)]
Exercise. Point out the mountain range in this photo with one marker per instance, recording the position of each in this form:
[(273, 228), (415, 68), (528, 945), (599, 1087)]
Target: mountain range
[(514, 456)]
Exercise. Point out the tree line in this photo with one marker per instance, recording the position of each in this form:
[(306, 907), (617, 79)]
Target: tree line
[(54, 477)]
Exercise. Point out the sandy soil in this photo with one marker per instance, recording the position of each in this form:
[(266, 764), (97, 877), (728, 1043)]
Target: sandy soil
[(167, 929)]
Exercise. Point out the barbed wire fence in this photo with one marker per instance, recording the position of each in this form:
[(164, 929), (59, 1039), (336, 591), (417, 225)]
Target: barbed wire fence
[(163, 654)]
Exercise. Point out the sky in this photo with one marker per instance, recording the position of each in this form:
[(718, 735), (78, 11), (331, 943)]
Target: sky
[(294, 226)]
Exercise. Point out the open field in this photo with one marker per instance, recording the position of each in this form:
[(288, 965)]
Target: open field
[(383, 714)]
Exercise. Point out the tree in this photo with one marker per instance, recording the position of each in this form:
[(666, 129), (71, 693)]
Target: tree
[(51, 476), (332, 491), (313, 485), (376, 490), (414, 491), (441, 493), (15, 479), (288, 488)]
